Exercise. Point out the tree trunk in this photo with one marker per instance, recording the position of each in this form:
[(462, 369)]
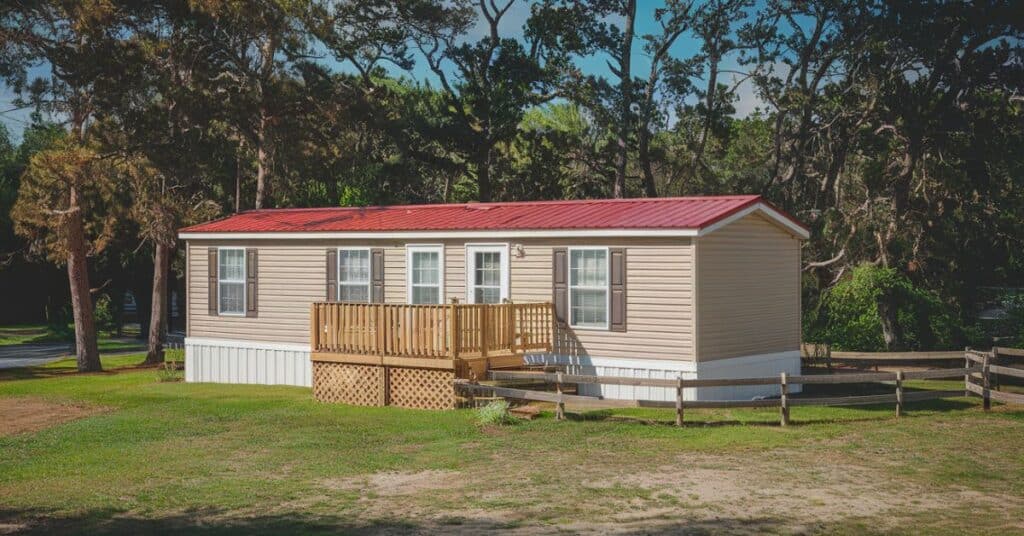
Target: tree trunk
[(650, 188), (155, 354), (262, 159), (485, 192), (86, 350), (892, 333), (626, 99)]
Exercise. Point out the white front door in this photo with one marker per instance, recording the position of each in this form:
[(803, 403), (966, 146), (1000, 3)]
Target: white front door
[(487, 273)]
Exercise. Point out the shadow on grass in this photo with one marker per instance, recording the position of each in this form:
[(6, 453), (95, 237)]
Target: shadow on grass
[(51, 371), (218, 522)]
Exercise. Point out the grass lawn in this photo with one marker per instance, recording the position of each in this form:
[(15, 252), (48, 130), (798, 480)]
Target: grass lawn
[(37, 333), (150, 457)]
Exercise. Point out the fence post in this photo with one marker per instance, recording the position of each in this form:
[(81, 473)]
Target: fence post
[(560, 405), (986, 385), (967, 375), (784, 409), (679, 401), (899, 393)]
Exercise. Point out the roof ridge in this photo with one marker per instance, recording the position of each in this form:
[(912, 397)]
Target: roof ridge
[(473, 204)]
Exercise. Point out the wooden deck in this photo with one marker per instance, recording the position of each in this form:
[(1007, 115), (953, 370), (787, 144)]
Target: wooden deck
[(461, 337)]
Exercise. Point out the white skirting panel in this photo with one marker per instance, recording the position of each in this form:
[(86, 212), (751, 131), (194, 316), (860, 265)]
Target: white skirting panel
[(630, 368), (753, 366), (228, 361)]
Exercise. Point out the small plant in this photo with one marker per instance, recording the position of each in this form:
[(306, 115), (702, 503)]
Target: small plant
[(495, 413), (168, 372)]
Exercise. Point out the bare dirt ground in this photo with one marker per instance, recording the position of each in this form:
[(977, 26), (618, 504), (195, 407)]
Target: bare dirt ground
[(26, 414), (776, 491)]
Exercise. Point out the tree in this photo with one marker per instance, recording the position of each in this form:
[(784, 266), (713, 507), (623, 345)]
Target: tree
[(486, 86), (76, 40), (65, 207), (255, 45)]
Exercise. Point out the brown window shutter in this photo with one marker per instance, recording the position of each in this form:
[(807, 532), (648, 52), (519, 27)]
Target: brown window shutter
[(560, 284), (251, 282), (617, 258), (211, 259), (377, 275), (332, 274)]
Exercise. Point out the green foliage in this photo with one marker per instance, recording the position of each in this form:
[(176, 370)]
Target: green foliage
[(1014, 305), (495, 413), (169, 371), (105, 314), (849, 314)]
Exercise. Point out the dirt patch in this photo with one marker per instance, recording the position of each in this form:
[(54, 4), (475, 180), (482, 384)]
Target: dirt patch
[(395, 483), (21, 415)]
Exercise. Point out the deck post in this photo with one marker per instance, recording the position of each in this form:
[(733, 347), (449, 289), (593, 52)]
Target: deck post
[(453, 326), (560, 405), (314, 327), (784, 409), (899, 393), (679, 401), (511, 313), (986, 384)]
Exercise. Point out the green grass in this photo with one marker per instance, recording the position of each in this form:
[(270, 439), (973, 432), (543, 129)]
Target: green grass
[(37, 333), (225, 459)]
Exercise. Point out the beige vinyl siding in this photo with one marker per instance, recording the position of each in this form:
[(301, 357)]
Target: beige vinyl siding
[(659, 301), (748, 290), (659, 297)]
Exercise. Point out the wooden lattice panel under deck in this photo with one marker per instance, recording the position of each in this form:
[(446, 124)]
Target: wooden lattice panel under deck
[(420, 388), (360, 385)]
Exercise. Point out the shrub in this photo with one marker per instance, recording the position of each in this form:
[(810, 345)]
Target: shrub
[(496, 413), (105, 317), (168, 372), (852, 322)]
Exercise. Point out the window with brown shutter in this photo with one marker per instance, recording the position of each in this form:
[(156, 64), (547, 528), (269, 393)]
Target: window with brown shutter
[(251, 285), (560, 284), (617, 286), (211, 293), (377, 275), (332, 274)]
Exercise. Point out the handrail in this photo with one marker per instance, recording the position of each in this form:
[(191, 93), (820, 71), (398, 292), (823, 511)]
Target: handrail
[(431, 331)]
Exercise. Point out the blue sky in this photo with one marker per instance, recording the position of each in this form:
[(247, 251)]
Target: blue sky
[(512, 24)]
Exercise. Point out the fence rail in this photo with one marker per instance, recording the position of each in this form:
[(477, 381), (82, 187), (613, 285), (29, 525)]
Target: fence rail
[(430, 331), (978, 366)]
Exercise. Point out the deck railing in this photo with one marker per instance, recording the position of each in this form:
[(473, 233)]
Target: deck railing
[(431, 331)]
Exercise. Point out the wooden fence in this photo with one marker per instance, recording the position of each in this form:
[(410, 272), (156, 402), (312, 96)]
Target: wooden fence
[(430, 331), (978, 367)]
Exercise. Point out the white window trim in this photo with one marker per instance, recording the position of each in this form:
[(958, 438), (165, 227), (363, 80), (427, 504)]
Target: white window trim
[(607, 288), (244, 282), (430, 248), (369, 279), (471, 251)]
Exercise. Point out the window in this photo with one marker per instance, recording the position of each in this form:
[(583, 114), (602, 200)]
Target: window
[(487, 273), (425, 277), (588, 287), (354, 275), (231, 281)]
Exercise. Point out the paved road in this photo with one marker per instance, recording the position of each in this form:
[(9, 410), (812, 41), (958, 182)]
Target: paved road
[(30, 355)]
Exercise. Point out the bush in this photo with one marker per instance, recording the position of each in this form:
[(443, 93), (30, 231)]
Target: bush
[(105, 317), (851, 319), (496, 413), (168, 372)]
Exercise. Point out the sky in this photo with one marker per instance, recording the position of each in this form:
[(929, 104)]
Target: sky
[(511, 25)]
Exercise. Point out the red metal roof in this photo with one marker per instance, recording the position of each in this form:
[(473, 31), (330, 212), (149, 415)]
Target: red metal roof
[(645, 213)]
